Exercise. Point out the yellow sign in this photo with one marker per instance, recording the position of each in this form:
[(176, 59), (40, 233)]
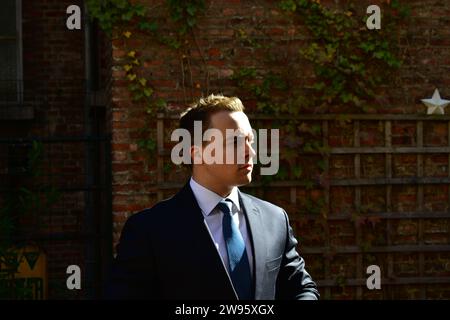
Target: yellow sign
[(30, 276)]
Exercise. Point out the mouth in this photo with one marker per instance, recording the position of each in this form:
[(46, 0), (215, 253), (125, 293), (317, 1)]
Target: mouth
[(247, 167)]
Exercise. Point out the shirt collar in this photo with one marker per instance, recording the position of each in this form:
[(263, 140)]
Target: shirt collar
[(208, 200)]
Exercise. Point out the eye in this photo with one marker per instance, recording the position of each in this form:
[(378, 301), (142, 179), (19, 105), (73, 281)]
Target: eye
[(237, 139)]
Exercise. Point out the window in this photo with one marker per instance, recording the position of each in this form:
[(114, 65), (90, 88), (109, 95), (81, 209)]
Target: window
[(11, 52)]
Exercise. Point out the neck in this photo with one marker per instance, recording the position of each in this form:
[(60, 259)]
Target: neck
[(218, 188)]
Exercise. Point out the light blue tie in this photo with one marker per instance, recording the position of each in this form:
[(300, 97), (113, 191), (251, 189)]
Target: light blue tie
[(239, 267)]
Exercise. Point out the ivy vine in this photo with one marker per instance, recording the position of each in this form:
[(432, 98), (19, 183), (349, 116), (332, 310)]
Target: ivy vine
[(125, 19), (349, 60), (350, 65)]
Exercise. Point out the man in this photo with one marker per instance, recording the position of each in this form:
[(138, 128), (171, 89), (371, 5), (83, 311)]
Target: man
[(210, 240)]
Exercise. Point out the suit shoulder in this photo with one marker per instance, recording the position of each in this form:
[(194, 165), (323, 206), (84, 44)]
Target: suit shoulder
[(265, 205), (151, 213)]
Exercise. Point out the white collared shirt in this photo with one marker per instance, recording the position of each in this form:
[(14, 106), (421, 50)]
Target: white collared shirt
[(207, 201)]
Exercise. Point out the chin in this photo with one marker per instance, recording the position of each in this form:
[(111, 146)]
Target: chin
[(245, 179)]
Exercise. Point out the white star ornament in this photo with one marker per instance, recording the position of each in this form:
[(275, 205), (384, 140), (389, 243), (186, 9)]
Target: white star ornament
[(436, 105)]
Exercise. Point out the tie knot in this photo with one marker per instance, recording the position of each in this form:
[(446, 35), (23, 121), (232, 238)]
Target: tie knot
[(225, 206)]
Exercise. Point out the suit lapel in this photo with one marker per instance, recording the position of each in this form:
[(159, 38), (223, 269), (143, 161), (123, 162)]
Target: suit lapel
[(258, 240), (212, 273)]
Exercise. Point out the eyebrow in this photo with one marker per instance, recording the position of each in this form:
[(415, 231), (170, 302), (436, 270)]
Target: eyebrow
[(241, 134)]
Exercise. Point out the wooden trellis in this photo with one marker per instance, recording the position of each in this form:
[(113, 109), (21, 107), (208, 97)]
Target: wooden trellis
[(419, 181)]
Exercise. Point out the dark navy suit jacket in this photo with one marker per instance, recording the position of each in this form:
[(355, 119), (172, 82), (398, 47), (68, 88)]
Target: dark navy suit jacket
[(166, 252)]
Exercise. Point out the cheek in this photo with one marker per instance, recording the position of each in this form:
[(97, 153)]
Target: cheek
[(228, 171)]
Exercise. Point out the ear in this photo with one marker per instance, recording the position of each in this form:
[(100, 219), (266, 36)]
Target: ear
[(196, 153)]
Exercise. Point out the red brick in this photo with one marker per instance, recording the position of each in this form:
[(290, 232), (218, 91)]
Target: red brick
[(228, 12), (214, 52)]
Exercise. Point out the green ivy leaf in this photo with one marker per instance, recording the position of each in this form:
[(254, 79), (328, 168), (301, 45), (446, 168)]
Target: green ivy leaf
[(297, 171), (161, 103), (191, 21), (140, 10), (148, 92), (191, 9), (321, 164), (288, 5), (148, 26), (127, 16), (138, 96)]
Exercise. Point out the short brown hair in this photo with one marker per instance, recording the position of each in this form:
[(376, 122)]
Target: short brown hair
[(204, 108)]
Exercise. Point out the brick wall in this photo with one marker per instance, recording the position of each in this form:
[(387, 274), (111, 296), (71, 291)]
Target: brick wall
[(54, 65), (235, 34), (54, 86)]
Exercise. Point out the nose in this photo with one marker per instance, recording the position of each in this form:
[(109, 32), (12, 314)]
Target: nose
[(249, 151)]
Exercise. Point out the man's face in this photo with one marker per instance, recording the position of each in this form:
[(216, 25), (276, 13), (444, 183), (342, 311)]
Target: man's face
[(230, 174)]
